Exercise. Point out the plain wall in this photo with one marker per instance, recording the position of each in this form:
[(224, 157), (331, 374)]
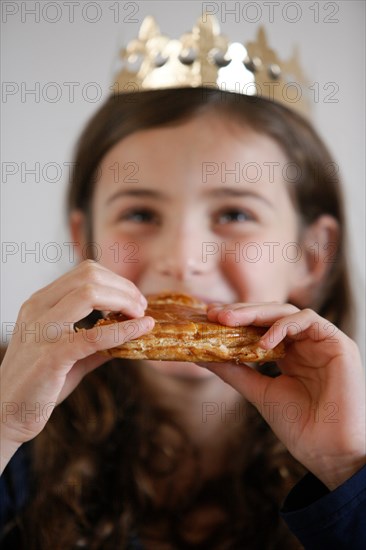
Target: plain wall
[(40, 128)]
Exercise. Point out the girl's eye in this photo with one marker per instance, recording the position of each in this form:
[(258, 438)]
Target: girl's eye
[(139, 215), (233, 215)]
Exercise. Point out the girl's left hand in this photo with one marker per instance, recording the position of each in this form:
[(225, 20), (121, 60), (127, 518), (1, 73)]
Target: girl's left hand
[(316, 407)]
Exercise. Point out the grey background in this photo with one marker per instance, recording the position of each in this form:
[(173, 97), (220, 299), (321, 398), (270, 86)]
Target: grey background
[(54, 45)]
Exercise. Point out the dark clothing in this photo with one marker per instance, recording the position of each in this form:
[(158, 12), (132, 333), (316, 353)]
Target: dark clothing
[(319, 518)]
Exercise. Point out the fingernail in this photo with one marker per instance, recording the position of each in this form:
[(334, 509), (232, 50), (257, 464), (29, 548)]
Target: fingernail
[(215, 309), (262, 344), (148, 323), (143, 301)]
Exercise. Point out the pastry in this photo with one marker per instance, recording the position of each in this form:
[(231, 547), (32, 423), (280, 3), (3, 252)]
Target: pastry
[(182, 332)]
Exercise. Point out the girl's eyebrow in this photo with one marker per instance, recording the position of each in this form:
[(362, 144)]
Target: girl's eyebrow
[(212, 193), (149, 193), (230, 192)]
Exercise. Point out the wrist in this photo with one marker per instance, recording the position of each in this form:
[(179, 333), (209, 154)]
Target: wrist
[(336, 475), (8, 448)]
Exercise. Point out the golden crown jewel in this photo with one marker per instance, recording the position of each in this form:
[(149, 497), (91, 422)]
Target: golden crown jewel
[(204, 57)]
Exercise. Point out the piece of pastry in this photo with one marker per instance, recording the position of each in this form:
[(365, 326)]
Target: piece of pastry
[(182, 332)]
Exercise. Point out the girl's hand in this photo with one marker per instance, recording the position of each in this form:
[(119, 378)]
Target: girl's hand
[(316, 407), (46, 359)]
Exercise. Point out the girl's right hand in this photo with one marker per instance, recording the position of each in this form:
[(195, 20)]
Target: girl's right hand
[(46, 359)]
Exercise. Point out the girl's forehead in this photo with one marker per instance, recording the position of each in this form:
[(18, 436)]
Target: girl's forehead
[(197, 137), (204, 151)]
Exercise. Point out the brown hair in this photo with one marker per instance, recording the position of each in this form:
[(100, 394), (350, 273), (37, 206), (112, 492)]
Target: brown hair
[(102, 469)]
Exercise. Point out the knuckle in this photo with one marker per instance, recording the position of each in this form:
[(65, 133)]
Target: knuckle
[(88, 266), (348, 345), (89, 292), (91, 272), (37, 293), (88, 340), (134, 301), (26, 308), (88, 263), (134, 291)]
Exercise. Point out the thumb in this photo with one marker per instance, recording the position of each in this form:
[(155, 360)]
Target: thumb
[(244, 379), (78, 371)]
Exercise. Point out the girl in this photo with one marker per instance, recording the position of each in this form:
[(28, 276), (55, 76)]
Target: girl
[(232, 199)]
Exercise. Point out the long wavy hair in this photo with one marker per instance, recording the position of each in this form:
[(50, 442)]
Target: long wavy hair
[(106, 464)]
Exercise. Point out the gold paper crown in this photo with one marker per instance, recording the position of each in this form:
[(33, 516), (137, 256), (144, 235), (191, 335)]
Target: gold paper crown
[(204, 57)]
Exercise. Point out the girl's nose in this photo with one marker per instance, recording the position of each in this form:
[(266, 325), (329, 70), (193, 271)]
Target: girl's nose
[(180, 257), (179, 268)]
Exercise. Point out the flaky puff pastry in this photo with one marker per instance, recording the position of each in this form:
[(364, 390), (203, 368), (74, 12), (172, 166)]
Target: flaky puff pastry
[(182, 332)]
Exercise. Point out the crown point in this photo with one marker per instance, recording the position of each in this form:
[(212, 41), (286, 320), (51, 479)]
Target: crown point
[(209, 20), (149, 28), (261, 34)]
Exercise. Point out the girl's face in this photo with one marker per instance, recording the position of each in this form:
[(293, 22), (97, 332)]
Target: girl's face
[(201, 208)]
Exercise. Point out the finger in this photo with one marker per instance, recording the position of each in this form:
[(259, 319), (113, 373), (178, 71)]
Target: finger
[(87, 342), (81, 301), (86, 272), (251, 314), (244, 379), (300, 326), (215, 305), (236, 305)]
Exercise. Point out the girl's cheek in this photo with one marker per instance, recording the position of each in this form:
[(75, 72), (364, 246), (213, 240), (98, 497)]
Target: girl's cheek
[(122, 256), (257, 275)]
